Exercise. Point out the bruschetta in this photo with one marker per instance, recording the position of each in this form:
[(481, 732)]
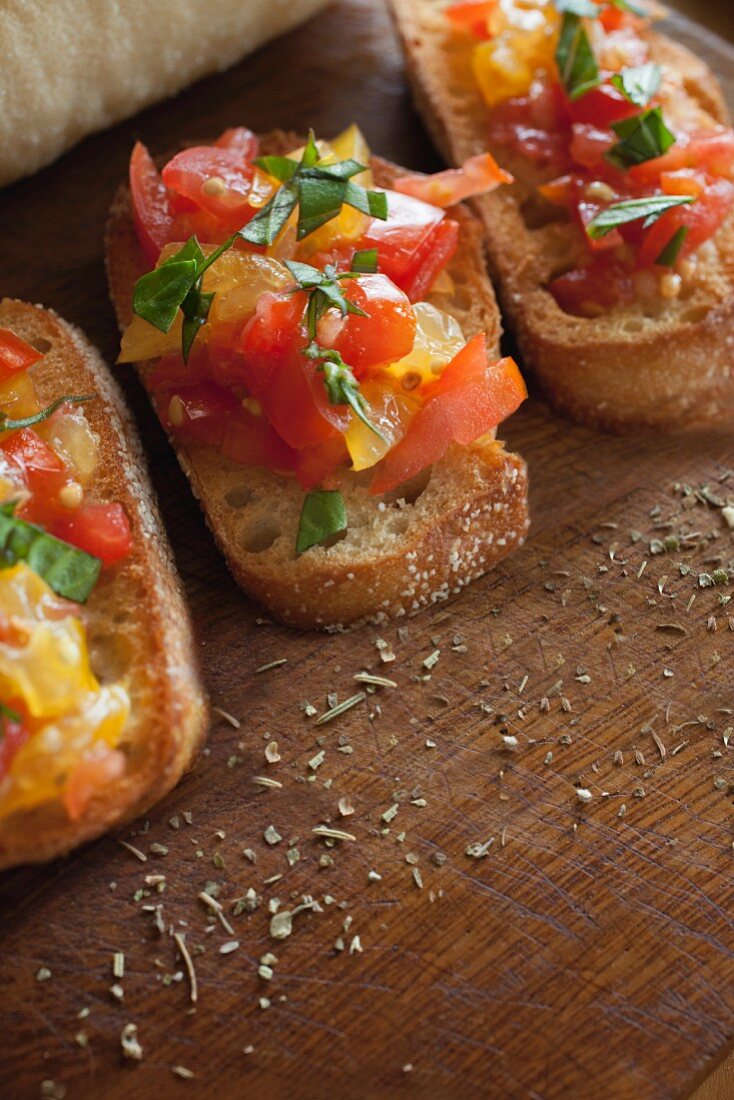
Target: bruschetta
[(101, 708), (323, 350), (613, 251)]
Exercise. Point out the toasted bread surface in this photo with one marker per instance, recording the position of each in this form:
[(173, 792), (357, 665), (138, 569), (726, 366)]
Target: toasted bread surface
[(401, 552), (136, 620), (657, 364)]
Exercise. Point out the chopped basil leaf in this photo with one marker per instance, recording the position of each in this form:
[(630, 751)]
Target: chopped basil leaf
[(323, 515), (280, 168), (158, 295), (365, 261), (582, 8), (341, 385), (268, 222), (639, 84), (643, 137), (70, 572), (7, 424), (575, 58), (195, 308), (633, 210), (671, 252)]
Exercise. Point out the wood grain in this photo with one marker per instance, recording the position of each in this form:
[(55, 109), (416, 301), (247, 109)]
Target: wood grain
[(589, 952)]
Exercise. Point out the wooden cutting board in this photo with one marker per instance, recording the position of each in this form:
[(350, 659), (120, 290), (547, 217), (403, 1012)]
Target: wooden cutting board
[(486, 933)]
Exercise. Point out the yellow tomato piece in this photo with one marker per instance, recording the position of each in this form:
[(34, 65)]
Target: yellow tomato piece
[(388, 408), (238, 279), (71, 436), (524, 41), (438, 338), (45, 661), (18, 397), (142, 341), (42, 767)]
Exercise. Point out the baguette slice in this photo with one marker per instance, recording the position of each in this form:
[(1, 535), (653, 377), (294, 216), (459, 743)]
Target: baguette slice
[(402, 552), (136, 620), (664, 365)]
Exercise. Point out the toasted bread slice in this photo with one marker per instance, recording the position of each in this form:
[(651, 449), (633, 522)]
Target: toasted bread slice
[(401, 552), (136, 620), (651, 365)]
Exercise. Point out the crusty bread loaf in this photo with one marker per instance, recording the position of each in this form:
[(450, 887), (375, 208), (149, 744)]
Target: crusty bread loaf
[(652, 365), (136, 620), (70, 67), (398, 555)]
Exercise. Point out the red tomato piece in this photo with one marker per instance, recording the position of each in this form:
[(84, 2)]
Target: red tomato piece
[(385, 335), (602, 106), (13, 736), (701, 219), (430, 260), (588, 291), (467, 401), (99, 766), (397, 240), (253, 441), (15, 355), (686, 181), (712, 150), (589, 144), (43, 472), (288, 385), (150, 200), (478, 176), (218, 180), (199, 412), (102, 530), (472, 16), (241, 139), (315, 466)]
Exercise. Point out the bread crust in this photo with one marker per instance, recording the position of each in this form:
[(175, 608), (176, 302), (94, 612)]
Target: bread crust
[(136, 617), (628, 370), (471, 515)]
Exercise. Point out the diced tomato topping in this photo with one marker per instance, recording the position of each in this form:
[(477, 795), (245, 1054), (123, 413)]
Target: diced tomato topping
[(431, 259), (602, 106), (13, 736), (150, 202), (589, 144), (478, 176), (241, 139), (15, 355), (712, 151), (385, 335), (216, 179), (252, 440), (101, 765), (467, 400), (588, 291), (399, 239), (472, 16), (199, 412), (287, 384), (102, 530), (43, 472), (314, 466), (701, 220)]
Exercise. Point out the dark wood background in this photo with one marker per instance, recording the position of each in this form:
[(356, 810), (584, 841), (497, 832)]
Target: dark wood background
[(589, 953)]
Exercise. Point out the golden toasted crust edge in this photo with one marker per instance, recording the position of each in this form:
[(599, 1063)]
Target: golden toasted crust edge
[(174, 728), (680, 377)]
